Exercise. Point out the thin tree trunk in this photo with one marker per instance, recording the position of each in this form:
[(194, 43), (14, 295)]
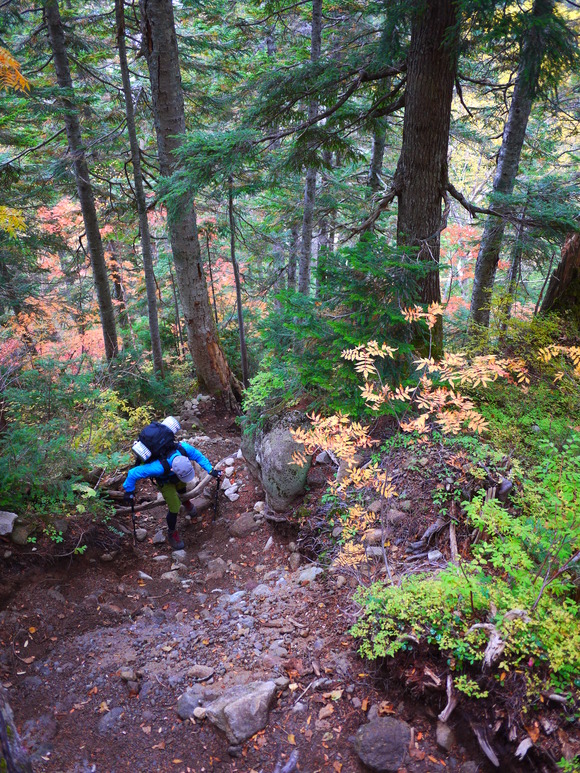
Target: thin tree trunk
[(421, 176), (181, 342), (293, 255), (81, 171), (243, 352), (211, 277), (563, 294), (533, 50), (139, 193), (310, 186), (378, 153), (160, 49), (512, 279)]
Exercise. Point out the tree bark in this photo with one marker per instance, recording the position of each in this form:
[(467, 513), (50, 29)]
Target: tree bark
[(81, 171), (563, 294), (533, 50), (377, 155), (139, 193), (160, 49), (242, 333), (311, 174), (293, 255), (421, 176)]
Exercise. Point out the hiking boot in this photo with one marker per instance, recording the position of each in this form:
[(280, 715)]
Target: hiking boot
[(190, 508), (174, 540)]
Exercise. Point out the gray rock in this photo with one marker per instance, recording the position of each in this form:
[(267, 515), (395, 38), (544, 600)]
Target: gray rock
[(7, 520), (160, 559), (295, 560), (172, 576), (229, 471), (141, 535), (396, 517), (217, 567), (269, 454), (262, 591), (200, 672), (225, 484), (110, 720), (383, 745), (259, 506), (309, 574), (323, 458), (340, 581), (179, 555), (243, 710), (229, 461), (158, 538), (434, 555), (128, 675), (243, 526), (232, 495), (504, 490), (445, 736), (189, 701)]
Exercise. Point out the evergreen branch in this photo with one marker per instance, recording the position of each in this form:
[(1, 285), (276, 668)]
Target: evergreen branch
[(363, 77), (31, 150), (373, 217), (244, 24), (93, 74), (473, 209)]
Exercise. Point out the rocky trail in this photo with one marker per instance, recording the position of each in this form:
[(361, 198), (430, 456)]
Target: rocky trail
[(231, 655)]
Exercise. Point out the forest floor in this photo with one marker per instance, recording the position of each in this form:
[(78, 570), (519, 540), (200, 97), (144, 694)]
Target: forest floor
[(96, 654)]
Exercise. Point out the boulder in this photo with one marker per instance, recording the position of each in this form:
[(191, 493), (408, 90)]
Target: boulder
[(244, 525), (269, 454), (7, 521), (383, 744), (242, 710)]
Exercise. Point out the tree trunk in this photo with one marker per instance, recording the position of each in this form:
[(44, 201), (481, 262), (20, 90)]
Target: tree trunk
[(378, 152), (563, 294), (139, 194), (293, 255), (243, 351), (533, 50), (310, 186), (160, 48), (421, 176), (81, 171)]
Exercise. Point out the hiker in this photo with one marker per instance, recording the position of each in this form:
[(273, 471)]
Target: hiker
[(171, 468)]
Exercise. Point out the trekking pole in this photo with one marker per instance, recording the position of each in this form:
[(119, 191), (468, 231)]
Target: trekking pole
[(134, 523), (215, 501)]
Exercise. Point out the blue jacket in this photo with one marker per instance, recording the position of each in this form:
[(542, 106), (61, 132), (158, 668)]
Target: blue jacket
[(155, 469)]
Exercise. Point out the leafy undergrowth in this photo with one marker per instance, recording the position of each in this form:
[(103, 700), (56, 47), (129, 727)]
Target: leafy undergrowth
[(496, 614)]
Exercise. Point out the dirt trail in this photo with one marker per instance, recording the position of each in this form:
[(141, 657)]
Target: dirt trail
[(95, 655)]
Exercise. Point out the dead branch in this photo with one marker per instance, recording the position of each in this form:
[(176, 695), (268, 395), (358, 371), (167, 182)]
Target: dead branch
[(483, 741), (452, 700)]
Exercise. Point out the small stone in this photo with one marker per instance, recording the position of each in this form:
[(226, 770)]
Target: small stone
[(7, 520), (200, 672), (294, 560), (243, 526), (434, 555), (143, 576), (268, 544), (292, 547), (383, 745), (128, 675), (217, 567), (376, 506), (141, 535), (323, 458), (239, 455), (229, 471), (159, 559), (20, 534), (171, 576), (158, 538), (233, 497), (107, 557), (225, 484), (445, 736), (310, 574), (179, 555), (336, 532), (340, 581), (262, 591), (259, 506), (199, 713), (282, 682), (229, 461)]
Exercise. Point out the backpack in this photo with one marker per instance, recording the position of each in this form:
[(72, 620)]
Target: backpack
[(157, 442)]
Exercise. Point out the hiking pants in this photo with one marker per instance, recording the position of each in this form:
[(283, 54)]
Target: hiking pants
[(170, 492)]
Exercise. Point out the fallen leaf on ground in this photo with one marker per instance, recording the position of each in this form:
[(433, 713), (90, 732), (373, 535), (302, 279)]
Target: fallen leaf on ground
[(326, 711)]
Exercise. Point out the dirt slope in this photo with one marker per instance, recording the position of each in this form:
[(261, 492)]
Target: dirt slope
[(96, 654)]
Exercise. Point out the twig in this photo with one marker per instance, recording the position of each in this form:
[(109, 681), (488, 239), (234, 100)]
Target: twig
[(452, 700)]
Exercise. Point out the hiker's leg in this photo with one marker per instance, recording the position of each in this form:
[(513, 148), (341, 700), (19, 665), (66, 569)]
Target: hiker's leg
[(170, 495), (190, 508)]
